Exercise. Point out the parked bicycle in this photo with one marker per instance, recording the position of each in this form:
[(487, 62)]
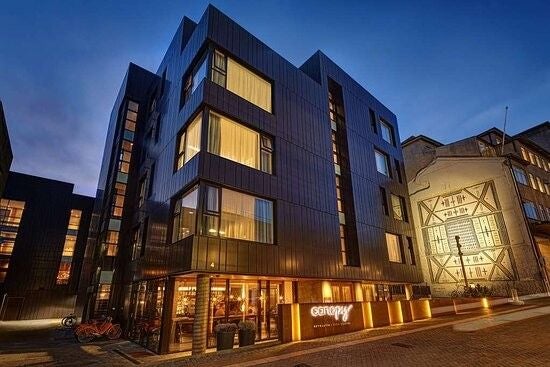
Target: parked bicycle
[(85, 333), (69, 321)]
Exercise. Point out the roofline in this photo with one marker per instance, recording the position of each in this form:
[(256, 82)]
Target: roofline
[(414, 138)]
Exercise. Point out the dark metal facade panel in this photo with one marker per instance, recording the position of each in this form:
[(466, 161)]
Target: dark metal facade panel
[(302, 186), (36, 256)]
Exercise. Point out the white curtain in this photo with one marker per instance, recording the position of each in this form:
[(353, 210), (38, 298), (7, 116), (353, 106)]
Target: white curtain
[(193, 142), (246, 217), (248, 85), (233, 141)]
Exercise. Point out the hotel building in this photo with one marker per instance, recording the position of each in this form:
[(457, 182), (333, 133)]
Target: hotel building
[(233, 181), (493, 192)]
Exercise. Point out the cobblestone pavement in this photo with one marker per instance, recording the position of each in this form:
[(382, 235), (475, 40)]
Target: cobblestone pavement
[(428, 343)]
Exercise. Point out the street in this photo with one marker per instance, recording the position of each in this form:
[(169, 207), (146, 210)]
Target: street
[(506, 336)]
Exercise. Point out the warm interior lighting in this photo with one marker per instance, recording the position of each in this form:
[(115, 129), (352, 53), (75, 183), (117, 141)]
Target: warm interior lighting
[(295, 315), (326, 291)]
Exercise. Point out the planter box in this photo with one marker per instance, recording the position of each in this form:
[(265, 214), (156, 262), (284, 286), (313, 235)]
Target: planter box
[(247, 337), (224, 340)]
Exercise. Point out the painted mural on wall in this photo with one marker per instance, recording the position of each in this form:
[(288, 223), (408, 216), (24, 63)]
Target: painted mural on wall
[(474, 214)]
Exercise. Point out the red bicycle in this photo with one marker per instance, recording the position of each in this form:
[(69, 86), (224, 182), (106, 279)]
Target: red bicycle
[(85, 333)]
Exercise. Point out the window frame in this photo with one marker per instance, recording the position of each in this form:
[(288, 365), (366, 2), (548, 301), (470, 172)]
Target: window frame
[(183, 133), (386, 160), (386, 126), (399, 248), (226, 56), (218, 213), (262, 137)]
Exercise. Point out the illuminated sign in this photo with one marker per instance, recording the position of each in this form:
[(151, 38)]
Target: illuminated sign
[(334, 311), (324, 319)]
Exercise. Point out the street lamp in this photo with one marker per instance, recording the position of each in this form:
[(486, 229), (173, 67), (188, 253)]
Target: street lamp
[(459, 247)]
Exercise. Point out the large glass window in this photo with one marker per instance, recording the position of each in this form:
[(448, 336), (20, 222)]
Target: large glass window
[(233, 141), (189, 142), (382, 164), (185, 215), (394, 248), (240, 216), (519, 175), (240, 80)]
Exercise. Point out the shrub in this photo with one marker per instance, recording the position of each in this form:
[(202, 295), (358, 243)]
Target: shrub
[(247, 325), (225, 328)]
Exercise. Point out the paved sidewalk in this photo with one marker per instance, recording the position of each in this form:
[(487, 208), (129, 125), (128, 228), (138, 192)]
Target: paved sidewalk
[(45, 344), (288, 352)]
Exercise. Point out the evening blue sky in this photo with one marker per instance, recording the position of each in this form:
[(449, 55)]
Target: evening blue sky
[(447, 69)]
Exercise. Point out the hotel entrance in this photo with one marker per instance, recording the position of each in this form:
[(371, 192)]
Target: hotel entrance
[(230, 301)]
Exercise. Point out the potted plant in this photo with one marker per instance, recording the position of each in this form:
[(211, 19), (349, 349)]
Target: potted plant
[(225, 334), (247, 333)]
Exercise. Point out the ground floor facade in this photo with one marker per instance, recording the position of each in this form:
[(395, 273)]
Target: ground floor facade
[(180, 313)]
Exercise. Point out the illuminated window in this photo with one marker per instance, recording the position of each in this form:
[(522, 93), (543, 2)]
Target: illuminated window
[(382, 164), (189, 142), (532, 158), (240, 80), (240, 144), (519, 175), (240, 216), (11, 212), (64, 272), (530, 210), (74, 219), (524, 153), (184, 215), (540, 184), (395, 249), (532, 181), (68, 247), (386, 131)]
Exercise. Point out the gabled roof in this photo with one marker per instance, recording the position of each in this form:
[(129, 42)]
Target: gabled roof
[(542, 125), (415, 138)]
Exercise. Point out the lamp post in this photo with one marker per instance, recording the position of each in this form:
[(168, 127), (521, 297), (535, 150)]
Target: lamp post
[(459, 247)]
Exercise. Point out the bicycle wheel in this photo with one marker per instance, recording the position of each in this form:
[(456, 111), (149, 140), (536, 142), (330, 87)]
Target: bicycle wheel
[(85, 335), (69, 321), (114, 332)]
